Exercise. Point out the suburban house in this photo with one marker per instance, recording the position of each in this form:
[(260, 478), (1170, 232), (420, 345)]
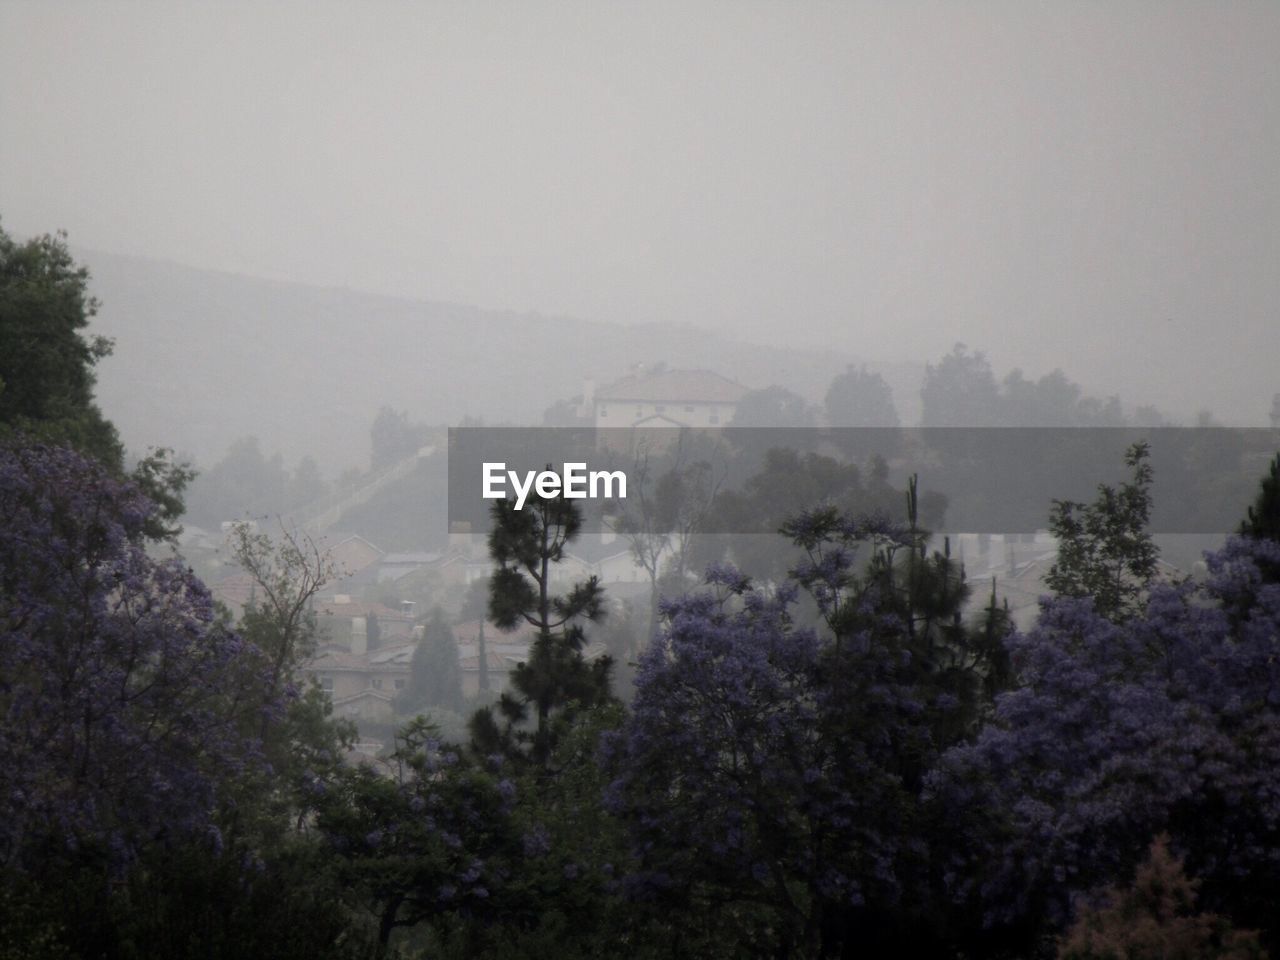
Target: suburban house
[(363, 686), (357, 626), (666, 398), (352, 554)]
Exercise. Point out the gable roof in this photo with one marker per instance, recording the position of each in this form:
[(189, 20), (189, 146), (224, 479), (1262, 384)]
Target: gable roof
[(674, 386)]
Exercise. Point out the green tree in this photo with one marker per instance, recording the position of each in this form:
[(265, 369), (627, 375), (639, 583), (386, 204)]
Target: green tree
[(1105, 550), (163, 479), (556, 679), (773, 407), (46, 359), (47, 376), (306, 486), (435, 679), (475, 606), (287, 574), (244, 481), (857, 398), (393, 438), (960, 391), (1263, 518), (1262, 522)]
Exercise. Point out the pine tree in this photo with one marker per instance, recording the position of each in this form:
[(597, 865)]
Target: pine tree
[(1263, 520), (557, 679), (435, 679)]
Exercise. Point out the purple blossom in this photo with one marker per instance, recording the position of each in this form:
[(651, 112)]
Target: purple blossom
[(124, 701), (537, 842), (1117, 732)]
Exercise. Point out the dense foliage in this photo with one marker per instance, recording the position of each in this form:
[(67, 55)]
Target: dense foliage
[(46, 366), (125, 702), (778, 767), (1169, 721)]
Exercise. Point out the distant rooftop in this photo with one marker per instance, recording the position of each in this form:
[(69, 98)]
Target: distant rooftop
[(674, 386)]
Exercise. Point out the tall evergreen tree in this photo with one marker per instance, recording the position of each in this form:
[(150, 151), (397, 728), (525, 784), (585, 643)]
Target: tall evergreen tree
[(1262, 522), (435, 679), (475, 606), (557, 679), (1263, 518)]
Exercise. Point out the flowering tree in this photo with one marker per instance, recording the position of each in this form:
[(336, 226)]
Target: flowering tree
[(123, 701), (778, 767), (1168, 721), (427, 845)]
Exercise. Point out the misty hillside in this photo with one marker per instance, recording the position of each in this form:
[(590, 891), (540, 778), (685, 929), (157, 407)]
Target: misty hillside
[(203, 358)]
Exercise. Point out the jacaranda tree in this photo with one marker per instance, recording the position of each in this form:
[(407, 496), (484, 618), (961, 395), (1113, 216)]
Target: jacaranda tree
[(1166, 722), (776, 769), (123, 701)]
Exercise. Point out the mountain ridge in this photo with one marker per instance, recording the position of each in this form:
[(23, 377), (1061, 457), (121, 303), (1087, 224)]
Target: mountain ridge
[(204, 357)]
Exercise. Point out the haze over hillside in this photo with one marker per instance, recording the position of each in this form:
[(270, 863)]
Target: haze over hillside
[(204, 357)]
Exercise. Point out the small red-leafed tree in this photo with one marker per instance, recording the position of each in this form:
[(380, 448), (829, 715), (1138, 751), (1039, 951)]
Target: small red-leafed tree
[(1156, 918)]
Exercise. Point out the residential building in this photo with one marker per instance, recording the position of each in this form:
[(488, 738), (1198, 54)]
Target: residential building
[(666, 398)]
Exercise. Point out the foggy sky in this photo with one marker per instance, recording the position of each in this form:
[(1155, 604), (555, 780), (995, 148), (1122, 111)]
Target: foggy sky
[(1079, 185)]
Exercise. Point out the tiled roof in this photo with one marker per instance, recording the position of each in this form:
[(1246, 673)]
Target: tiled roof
[(674, 386), (389, 659), (469, 632)]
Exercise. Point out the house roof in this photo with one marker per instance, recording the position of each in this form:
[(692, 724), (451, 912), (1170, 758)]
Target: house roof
[(469, 632), (359, 608), (674, 386), (416, 557), (395, 659), (497, 663)]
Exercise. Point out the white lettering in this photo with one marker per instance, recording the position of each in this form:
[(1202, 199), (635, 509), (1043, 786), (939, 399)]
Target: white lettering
[(521, 491), (609, 478), (575, 481), (493, 474), (548, 484)]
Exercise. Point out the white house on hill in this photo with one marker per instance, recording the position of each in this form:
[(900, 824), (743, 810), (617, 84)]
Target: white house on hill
[(666, 398)]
